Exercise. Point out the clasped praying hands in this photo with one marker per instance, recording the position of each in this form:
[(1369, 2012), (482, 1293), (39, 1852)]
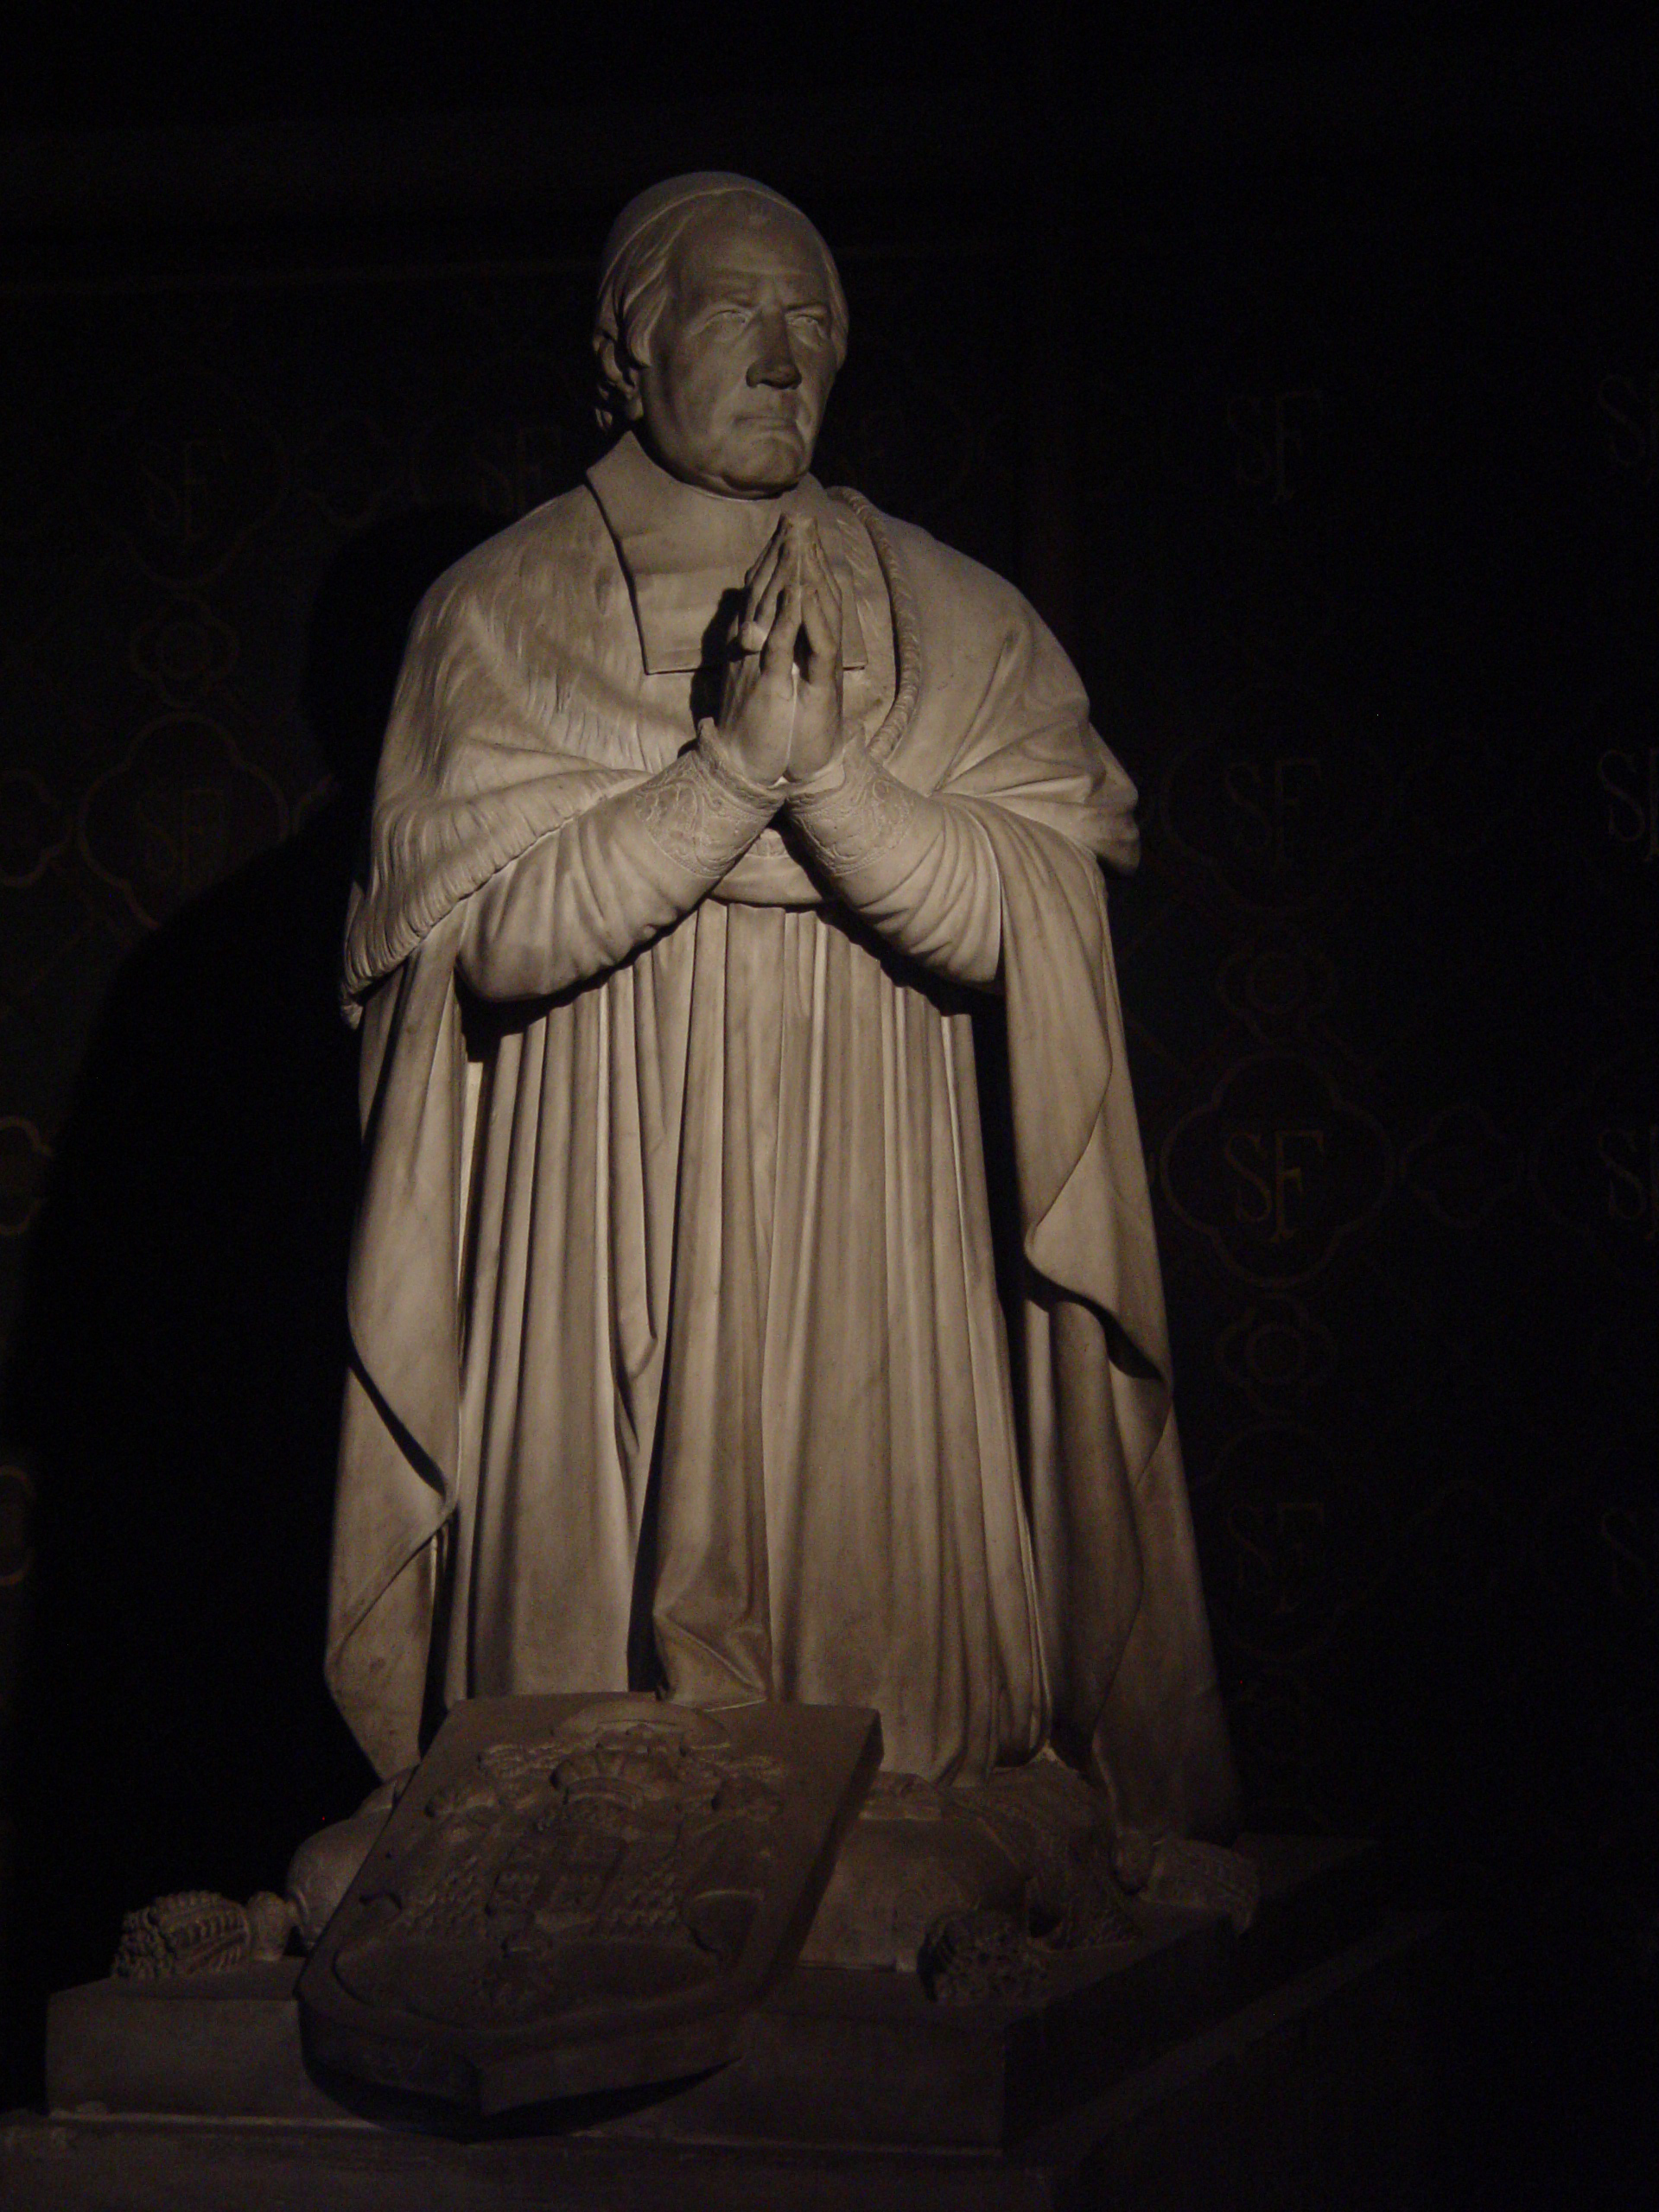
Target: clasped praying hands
[(779, 714)]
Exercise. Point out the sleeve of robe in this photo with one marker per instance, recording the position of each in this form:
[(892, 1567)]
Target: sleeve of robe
[(919, 868), (587, 895), (994, 874)]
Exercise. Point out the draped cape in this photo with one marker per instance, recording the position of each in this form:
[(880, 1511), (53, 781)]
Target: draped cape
[(523, 704)]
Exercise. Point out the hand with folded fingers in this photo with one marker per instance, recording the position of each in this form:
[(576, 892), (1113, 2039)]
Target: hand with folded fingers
[(780, 698)]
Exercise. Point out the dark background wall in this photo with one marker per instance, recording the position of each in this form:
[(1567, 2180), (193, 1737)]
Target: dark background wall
[(1310, 384)]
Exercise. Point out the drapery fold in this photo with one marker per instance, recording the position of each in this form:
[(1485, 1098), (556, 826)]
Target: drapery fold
[(700, 1332)]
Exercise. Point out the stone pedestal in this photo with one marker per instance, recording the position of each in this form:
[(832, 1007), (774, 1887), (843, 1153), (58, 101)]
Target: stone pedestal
[(1283, 2065)]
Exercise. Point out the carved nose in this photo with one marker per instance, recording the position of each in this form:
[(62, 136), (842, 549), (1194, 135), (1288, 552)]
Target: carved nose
[(775, 364)]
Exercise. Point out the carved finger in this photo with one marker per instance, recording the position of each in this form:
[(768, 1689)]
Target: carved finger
[(822, 630), (761, 595), (777, 656), (764, 563), (821, 576), (786, 575)]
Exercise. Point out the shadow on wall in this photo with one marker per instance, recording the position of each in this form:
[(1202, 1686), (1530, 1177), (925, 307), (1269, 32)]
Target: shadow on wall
[(176, 1375)]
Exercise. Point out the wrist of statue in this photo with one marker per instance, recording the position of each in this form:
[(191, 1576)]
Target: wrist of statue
[(726, 768), (839, 788), (702, 813), (853, 812), (824, 783)]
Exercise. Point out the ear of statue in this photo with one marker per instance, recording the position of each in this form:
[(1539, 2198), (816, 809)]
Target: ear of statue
[(618, 383)]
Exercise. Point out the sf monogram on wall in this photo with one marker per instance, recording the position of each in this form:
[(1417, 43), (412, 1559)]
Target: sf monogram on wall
[(1629, 775), (1596, 1166), (181, 809), (1275, 439), (1280, 798), (188, 477), (1277, 1169)]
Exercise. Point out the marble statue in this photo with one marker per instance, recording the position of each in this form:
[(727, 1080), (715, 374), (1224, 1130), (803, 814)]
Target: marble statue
[(720, 822)]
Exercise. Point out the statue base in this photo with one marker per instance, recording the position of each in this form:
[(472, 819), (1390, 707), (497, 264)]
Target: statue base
[(1163, 2070)]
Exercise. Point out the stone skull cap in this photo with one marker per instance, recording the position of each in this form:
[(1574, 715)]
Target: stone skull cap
[(635, 228)]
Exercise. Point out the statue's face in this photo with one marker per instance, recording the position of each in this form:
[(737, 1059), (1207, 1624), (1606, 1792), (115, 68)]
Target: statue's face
[(742, 355)]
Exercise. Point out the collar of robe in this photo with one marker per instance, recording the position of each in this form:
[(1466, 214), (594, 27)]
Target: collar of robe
[(682, 549)]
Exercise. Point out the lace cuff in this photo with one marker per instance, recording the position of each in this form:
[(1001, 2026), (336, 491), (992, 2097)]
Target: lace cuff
[(857, 818), (703, 812)]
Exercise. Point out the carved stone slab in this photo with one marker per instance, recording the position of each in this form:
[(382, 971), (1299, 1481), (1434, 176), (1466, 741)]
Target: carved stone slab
[(582, 1893)]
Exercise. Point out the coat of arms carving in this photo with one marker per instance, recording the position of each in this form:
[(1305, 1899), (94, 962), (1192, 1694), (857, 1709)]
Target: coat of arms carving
[(577, 1893)]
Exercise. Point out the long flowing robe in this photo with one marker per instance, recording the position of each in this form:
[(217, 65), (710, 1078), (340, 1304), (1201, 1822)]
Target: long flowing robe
[(679, 1352)]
